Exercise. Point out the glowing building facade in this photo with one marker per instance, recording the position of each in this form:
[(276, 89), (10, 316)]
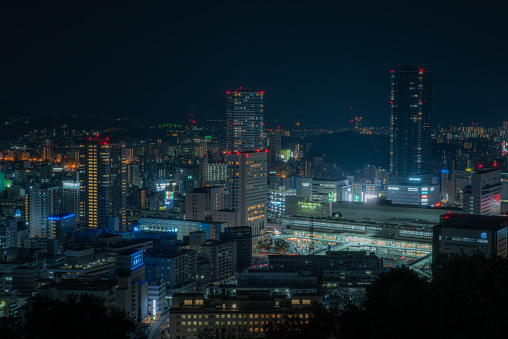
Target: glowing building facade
[(103, 179)]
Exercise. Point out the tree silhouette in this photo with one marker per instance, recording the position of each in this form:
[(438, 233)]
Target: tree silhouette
[(85, 316), (467, 298)]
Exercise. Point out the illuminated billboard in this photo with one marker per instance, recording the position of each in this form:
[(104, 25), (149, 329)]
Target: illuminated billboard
[(239, 232)]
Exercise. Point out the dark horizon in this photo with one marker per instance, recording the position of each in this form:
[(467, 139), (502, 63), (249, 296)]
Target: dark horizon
[(156, 63)]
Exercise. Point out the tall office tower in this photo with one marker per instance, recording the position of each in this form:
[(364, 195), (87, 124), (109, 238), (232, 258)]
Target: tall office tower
[(69, 198), (103, 178), (410, 123), (483, 197), (244, 120), (247, 189), (43, 202), (133, 177), (274, 144), (247, 169)]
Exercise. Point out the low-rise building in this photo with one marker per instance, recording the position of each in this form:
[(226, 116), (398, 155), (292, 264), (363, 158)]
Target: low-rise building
[(245, 309), (62, 288), (470, 233), (177, 268), (213, 229)]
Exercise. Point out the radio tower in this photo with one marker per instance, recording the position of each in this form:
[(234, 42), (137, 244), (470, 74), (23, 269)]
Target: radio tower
[(351, 119), (192, 118)]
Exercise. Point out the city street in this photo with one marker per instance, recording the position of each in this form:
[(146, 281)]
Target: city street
[(157, 327)]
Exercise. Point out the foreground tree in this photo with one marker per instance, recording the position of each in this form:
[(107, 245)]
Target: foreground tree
[(76, 317), (467, 298)]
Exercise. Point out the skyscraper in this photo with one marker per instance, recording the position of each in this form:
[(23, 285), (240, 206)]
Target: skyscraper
[(247, 160), (244, 120), (247, 187), (43, 202), (69, 198), (410, 124), (103, 178)]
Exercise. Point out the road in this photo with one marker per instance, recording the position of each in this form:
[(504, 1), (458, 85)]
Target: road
[(155, 330)]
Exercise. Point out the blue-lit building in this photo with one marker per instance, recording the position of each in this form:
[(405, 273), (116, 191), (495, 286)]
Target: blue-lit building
[(132, 289), (62, 227), (182, 227)]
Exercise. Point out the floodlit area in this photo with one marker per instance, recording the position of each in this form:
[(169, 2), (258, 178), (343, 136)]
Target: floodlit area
[(394, 252)]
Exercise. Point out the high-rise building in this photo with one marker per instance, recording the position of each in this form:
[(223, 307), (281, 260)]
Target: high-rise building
[(247, 160), (47, 151), (132, 288), (483, 196), (69, 198), (43, 202), (213, 173), (410, 124), (103, 178), (274, 144), (247, 189), (62, 226), (245, 120)]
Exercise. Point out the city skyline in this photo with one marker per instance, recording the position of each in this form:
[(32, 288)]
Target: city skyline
[(270, 169), (135, 62)]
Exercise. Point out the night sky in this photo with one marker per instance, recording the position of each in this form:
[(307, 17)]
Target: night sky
[(154, 62)]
